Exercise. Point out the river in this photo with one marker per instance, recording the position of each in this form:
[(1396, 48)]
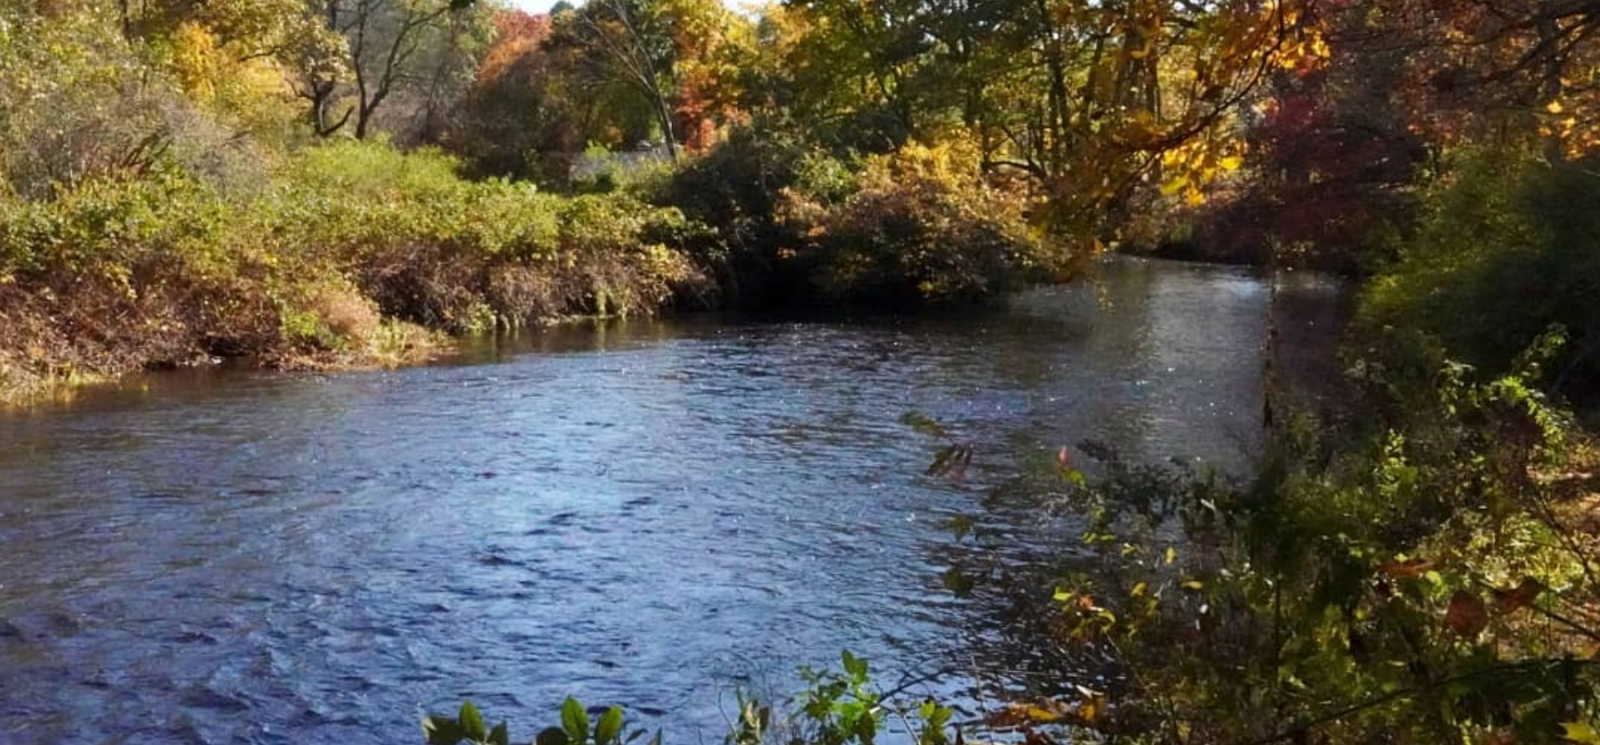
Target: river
[(650, 513)]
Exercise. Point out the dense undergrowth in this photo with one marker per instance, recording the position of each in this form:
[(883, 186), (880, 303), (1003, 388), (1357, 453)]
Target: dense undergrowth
[(1418, 566), (351, 254)]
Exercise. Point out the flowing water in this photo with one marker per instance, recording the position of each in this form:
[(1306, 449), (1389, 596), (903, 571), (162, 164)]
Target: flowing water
[(650, 513)]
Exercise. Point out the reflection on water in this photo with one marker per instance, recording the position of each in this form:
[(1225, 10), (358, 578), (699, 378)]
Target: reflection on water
[(646, 512)]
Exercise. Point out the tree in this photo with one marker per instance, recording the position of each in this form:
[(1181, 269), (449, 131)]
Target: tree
[(675, 57), (626, 41), (386, 44), (519, 119), (1089, 99), (1498, 71)]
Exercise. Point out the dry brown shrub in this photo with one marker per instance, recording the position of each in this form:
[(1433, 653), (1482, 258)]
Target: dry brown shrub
[(522, 294), (428, 284), (346, 312)]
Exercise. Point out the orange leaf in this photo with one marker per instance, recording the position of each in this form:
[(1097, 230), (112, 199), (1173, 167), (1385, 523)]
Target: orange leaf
[(1026, 715), (1409, 568)]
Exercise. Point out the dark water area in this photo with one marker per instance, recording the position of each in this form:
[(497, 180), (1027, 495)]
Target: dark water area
[(650, 513)]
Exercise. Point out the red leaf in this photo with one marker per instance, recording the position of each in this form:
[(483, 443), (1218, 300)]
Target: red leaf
[(1508, 601), (1467, 615)]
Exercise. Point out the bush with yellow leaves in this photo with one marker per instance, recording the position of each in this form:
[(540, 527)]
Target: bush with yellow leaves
[(924, 225)]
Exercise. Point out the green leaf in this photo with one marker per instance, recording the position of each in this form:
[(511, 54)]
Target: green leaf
[(923, 423), (552, 736), (575, 721), (866, 728), (609, 728), (441, 730), (500, 735), (472, 726), (855, 666)]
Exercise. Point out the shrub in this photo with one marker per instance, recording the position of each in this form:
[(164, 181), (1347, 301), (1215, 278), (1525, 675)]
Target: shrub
[(326, 265), (1505, 251), (81, 104), (733, 190), (1430, 580), (924, 225), (447, 253)]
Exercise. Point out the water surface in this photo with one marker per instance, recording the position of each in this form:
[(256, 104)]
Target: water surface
[(649, 513)]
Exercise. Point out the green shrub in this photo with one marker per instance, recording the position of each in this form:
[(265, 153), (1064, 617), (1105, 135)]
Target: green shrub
[(468, 726), (734, 191), (1432, 580), (924, 225), (324, 266), (792, 223), (448, 253), (1506, 250), (836, 708)]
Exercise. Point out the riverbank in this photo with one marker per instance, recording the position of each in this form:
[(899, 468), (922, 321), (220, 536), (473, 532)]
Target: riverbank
[(645, 512), (356, 254)]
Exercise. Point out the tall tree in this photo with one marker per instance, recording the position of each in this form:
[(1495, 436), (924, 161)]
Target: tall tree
[(673, 56), (386, 43), (626, 41), (520, 118)]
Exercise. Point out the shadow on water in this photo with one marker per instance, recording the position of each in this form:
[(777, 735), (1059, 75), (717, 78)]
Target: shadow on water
[(649, 512)]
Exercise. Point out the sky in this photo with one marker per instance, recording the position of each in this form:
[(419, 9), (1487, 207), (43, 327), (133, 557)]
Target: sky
[(531, 6), (543, 6)]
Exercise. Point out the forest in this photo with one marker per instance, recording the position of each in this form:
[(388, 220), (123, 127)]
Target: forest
[(330, 184)]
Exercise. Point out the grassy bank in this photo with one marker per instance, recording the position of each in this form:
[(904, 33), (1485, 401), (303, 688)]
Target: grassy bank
[(356, 254), (349, 255)]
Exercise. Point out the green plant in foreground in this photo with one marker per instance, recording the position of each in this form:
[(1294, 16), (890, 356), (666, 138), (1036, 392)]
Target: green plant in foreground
[(469, 726), (837, 708), (842, 705)]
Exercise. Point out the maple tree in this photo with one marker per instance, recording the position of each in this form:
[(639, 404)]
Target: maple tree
[(665, 54)]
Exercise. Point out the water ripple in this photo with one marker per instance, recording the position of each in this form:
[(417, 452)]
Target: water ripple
[(646, 514)]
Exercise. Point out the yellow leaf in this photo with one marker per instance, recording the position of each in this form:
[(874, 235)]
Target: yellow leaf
[(1581, 732), (1174, 186), (1138, 590), (1041, 714), (1231, 163), (1088, 710), (1554, 107), (1194, 585), (1172, 555)]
